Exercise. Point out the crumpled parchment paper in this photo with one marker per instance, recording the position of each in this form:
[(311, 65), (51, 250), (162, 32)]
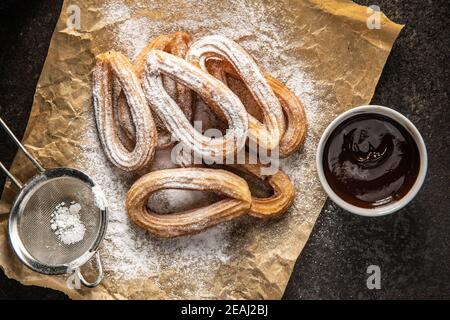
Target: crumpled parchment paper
[(324, 51)]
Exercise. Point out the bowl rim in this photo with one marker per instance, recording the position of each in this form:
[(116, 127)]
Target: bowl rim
[(404, 122)]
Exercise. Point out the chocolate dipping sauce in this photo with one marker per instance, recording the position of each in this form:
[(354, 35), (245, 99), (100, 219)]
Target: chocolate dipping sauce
[(370, 160)]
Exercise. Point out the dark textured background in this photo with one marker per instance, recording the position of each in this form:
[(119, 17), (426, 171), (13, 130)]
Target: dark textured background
[(411, 247)]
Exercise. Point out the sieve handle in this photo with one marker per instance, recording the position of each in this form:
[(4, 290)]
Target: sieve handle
[(99, 277), (11, 176), (20, 145)]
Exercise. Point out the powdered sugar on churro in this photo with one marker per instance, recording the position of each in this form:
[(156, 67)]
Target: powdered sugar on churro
[(128, 251)]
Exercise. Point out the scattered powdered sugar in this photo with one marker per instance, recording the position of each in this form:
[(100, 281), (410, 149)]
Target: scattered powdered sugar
[(99, 197), (128, 251), (66, 223), (121, 243), (172, 200), (133, 35), (116, 11)]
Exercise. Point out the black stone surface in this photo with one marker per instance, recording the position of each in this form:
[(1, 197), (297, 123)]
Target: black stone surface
[(411, 246)]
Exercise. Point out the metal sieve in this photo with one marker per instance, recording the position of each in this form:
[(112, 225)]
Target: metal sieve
[(30, 234)]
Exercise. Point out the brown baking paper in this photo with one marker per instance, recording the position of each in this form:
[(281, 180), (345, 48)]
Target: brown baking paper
[(323, 50)]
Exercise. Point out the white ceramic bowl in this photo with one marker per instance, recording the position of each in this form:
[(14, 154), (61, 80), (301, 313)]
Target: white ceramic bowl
[(390, 207)]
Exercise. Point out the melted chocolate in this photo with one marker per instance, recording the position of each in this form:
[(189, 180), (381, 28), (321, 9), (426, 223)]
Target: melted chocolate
[(371, 160)]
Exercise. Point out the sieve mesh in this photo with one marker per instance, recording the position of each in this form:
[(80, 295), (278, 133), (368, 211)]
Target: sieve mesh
[(34, 222)]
